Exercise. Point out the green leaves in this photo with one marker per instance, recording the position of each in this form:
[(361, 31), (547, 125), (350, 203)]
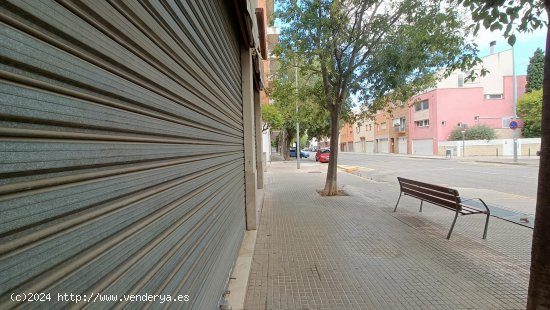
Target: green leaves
[(512, 39), (535, 71), (371, 50), (307, 97), (530, 109), (477, 132), (518, 15), (530, 104), (503, 18), (272, 116)]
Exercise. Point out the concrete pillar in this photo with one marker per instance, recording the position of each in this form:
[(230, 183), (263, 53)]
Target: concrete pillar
[(249, 140), (258, 134)]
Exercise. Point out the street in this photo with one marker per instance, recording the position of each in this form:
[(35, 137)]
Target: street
[(511, 187)]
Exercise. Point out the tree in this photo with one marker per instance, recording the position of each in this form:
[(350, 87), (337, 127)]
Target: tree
[(477, 132), (289, 100), (369, 48), (272, 117), (530, 109), (535, 71), (524, 16)]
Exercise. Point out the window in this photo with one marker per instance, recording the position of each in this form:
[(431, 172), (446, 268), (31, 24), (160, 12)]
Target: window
[(422, 105), (358, 129), (444, 123), (493, 96), (422, 123), (383, 125)]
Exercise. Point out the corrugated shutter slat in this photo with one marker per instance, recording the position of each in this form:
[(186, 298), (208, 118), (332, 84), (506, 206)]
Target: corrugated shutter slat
[(121, 149)]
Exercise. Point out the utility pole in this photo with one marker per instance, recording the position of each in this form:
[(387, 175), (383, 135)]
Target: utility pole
[(515, 104), (298, 152)]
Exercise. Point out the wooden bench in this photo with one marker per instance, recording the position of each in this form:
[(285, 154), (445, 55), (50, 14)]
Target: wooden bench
[(445, 197)]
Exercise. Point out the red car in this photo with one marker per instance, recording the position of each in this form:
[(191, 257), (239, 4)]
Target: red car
[(322, 155)]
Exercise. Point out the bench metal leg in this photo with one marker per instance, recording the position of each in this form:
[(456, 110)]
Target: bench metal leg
[(486, 225), (421, 201), (401, 193), (452, 226)]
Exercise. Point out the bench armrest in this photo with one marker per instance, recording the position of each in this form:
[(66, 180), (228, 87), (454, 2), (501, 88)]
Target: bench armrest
[(483, 202)]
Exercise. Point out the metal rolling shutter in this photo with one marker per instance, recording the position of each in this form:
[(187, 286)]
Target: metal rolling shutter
[(383, 146), (402, 145), (423, 147), (370, 147), (121, 149)]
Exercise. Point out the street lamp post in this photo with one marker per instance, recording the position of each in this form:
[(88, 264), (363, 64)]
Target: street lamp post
[(515, 96), (298, 152)]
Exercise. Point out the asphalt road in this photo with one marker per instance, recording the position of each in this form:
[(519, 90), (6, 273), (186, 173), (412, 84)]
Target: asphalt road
[(508, 186)]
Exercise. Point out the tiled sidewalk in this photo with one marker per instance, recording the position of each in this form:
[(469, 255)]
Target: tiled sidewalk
[(353, 252)]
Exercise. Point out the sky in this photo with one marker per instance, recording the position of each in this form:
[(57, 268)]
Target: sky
[(525, 46)]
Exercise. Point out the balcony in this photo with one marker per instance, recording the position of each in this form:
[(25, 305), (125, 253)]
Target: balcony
[(398, 129)]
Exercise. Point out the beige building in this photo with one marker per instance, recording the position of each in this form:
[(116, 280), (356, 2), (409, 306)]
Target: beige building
[(364, 136), (390, 130), (346, 138)]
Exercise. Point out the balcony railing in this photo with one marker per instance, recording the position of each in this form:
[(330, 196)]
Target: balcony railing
[(398, 129)]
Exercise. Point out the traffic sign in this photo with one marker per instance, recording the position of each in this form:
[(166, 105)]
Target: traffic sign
[(513, 125)]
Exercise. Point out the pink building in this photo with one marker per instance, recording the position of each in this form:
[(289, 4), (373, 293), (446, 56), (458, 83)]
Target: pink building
[(454, 102)]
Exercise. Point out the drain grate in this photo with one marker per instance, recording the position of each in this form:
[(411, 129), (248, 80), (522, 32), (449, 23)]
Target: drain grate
[(314, 172)]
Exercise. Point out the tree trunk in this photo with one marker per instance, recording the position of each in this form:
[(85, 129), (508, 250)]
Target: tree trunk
[(283, 143), (331, 185), (539, 282), (286, 144)]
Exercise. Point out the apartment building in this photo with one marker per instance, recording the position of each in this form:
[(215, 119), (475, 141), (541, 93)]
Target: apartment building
[(347, 138), (418, 126), (457, 102), (392, 130), (364, 136)]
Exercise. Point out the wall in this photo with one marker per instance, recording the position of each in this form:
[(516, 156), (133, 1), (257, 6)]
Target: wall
[(396, 133), (498, 64), (346, 137), (130, 128), (464, 105), (366, 132), (451, 105), (504, 147), (423, 133)]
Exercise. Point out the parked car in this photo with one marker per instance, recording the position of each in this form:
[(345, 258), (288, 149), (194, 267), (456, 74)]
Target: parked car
[(303, 154), (322, 155)]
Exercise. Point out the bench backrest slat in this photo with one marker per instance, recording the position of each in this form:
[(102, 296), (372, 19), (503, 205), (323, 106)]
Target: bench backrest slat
[(439, 195)]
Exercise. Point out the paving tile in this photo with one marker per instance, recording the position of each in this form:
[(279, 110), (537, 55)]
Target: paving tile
[(353, 252)]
